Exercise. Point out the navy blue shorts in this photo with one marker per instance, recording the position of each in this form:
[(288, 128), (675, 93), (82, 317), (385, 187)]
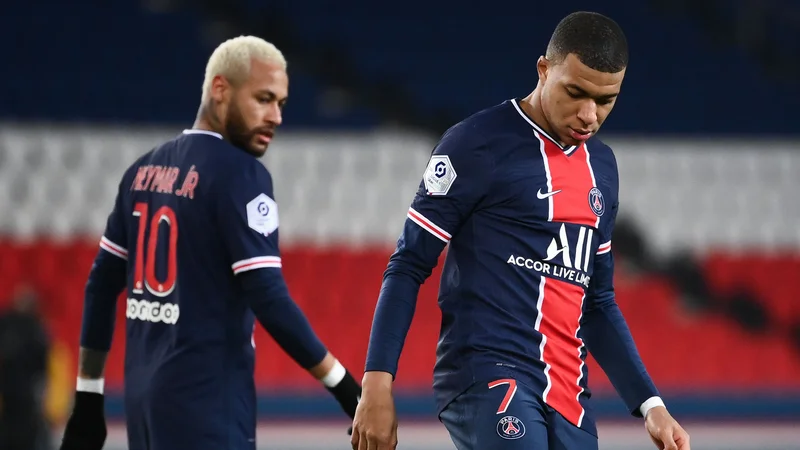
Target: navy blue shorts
[(510, 416)]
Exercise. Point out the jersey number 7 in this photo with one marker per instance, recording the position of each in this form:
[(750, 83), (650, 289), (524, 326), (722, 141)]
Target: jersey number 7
[(144, 274)]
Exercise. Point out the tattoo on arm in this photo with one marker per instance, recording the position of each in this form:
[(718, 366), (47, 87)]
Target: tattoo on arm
[(92, 363)]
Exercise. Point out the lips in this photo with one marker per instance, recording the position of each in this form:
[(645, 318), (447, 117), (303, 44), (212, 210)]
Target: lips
[(265, 135), (580, 135)]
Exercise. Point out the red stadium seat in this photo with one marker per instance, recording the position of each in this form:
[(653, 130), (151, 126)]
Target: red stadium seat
[(337, 288), (773, 279)]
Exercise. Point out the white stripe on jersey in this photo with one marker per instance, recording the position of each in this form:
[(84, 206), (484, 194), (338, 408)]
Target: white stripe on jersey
[(115, 249), (259, 262), (428, 226)]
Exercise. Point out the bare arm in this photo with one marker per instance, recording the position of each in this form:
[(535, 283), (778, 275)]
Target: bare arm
[(322, 369), (91, 364)]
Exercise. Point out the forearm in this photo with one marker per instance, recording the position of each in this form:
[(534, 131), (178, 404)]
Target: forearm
[(266, 293), (394, 313), (610, 342), (284, 321), (330, 372), (106, 281), (91, 368), (91, 363), (269, 299), (410, 265)]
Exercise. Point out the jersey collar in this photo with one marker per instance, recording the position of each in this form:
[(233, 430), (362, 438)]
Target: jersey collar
[(210, 133), (539, 129)]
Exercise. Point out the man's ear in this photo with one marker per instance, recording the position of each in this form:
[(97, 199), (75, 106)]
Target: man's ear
[(542, 68), (220, 89)]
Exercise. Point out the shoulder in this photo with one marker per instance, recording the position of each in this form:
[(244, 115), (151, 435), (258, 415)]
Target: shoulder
[(487, 123), (603, 161), (234, 166), (470, 139), (460, 153), (600, 150), (133, 169), (469, 148)]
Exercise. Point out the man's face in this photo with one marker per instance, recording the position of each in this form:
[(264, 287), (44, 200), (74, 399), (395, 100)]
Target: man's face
[(254, 109), (575, 98)]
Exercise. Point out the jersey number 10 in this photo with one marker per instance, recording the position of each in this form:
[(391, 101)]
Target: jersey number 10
[(144, 275)]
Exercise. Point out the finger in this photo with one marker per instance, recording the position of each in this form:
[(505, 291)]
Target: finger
[(683, 440), (668, 440), (376, 443), (390, 443), (363, 442), (354, 440)]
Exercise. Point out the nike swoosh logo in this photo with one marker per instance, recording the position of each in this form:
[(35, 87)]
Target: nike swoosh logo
[(543, 195)]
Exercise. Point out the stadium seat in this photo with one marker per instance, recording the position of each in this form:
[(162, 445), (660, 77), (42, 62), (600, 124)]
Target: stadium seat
[(670, 341), (345, 203), (772, 278)]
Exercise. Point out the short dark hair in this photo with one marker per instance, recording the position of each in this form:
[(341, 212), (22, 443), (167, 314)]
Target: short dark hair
[(595, 39)]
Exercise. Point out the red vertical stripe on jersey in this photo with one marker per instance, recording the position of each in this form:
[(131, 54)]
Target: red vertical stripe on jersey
[(572, 176), (561, 314)]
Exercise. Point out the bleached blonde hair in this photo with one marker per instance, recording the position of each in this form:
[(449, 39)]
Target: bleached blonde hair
[(232, 59)]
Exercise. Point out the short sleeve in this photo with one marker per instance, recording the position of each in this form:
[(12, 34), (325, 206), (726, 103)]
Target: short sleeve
[(248, 217), (454, 181), (114, 239)]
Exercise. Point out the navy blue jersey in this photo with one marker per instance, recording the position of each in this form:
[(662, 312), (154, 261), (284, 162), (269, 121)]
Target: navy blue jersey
[(190, 216), (526, 285)]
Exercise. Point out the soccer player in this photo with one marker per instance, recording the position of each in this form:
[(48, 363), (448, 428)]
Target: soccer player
[(526, 197), (194, 238)]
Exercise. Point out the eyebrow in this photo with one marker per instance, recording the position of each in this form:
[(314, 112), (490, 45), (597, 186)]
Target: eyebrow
[(272, 95), (580, 91)]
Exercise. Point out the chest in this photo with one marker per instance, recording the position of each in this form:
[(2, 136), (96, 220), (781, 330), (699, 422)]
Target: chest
[(548, 185)]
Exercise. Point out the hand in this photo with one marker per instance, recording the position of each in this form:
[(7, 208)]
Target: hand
[(86, 426), (375, 423), (664, 430)]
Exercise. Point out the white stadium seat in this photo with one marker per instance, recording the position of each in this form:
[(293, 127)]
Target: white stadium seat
[(356, 188)]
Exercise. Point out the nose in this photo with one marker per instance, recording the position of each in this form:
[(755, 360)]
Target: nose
[(588, 113), (274, 115)]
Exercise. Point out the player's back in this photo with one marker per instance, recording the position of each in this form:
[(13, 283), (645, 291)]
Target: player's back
[(189, 334)]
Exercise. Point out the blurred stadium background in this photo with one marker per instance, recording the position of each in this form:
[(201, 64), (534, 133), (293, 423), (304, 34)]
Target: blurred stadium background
[(705, 133)]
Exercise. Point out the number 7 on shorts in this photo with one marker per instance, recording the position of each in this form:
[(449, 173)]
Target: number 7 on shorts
[(512, 389)]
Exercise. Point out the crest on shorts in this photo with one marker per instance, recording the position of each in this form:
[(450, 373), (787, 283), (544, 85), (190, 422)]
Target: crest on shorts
[(509, 427), (439, 175), (597, 202)]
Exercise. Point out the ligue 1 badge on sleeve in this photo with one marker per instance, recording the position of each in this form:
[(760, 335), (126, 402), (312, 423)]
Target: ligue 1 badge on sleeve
[(262, 214), (439, 175), (597, 202)]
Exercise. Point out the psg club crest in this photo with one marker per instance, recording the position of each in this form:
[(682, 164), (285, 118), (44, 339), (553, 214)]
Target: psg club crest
[(597, 202), (509, 427)]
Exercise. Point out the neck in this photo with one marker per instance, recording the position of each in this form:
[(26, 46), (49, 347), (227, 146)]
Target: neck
[(532, 107), (208, 120)]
